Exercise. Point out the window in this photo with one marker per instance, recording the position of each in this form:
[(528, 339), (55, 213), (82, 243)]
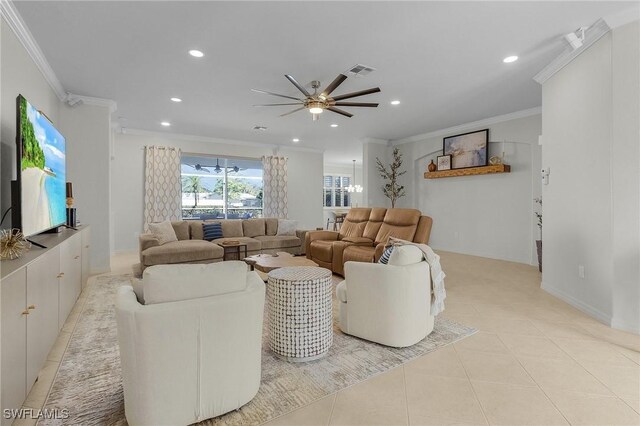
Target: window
[(220, 188), (335, 194)]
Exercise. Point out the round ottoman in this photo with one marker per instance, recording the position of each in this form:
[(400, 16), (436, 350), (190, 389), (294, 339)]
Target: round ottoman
[(299, 302)]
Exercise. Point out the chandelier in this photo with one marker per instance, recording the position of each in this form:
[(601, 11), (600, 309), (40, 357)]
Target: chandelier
[(351, 187)]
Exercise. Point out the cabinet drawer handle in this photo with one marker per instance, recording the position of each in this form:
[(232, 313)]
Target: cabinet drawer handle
[(31, 307), (25, 312), (77, 257), (61, 274)]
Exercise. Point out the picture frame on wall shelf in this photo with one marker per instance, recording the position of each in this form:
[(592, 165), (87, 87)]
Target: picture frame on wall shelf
[(444, 162), (467, 149)]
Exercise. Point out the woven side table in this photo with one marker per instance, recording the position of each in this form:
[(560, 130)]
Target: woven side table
[(299, 301)]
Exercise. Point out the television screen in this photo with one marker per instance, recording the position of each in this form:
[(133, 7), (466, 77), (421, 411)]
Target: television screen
[(41, 163)]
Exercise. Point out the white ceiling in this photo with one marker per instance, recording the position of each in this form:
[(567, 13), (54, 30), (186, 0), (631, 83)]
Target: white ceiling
[(443, 60)]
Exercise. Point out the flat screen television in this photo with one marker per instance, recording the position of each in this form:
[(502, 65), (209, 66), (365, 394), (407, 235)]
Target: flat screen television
[(39, 193)]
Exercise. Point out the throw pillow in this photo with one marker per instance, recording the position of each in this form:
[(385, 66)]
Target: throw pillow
[(212, 231), (163, 232), (405, 255), (287, 227), (385, 255)]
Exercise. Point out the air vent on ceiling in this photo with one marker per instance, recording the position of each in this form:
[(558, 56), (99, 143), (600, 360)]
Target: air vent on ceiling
[(360, 70), (259, 128)]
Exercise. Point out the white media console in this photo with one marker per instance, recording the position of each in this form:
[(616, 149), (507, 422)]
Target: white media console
[(37, 293)]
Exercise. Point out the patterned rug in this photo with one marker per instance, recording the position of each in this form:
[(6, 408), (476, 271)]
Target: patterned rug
[(88, 382)]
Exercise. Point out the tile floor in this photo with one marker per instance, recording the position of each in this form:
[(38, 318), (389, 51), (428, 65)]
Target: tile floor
[(535, 361)]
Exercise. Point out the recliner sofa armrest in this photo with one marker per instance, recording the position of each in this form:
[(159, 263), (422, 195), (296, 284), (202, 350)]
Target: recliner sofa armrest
[(379, 250), (318, 235)]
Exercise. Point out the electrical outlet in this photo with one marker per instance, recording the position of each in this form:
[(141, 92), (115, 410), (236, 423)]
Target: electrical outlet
[(581, 271)]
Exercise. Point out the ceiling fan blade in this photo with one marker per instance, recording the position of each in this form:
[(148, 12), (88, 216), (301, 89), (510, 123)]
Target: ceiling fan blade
[(276, 94), (291, 112), (356, 94), (357, 104), (334, 84), (298, 85), (293, 103), (339, 111)]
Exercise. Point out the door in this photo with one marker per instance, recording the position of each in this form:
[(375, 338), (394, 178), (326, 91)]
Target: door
[(86, 237), (42, 302), (14, 340), (70, 276)]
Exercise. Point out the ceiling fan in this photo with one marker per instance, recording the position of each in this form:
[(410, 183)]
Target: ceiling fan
[(217, 168), (316, 103)]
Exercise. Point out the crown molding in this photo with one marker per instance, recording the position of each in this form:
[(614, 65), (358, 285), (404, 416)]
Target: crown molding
[(17, 25), (73, 99), (623, 17), (592, 34), (474, 124), (206, 139)]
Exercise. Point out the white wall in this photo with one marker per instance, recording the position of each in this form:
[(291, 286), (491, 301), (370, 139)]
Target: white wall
[(591, 209), (304, 172), (372, 194), (490, 215), (18, 75), (87, 129)]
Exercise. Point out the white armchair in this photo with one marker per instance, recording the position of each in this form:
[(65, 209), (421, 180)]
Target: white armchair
[(388, 304), (193, 351)]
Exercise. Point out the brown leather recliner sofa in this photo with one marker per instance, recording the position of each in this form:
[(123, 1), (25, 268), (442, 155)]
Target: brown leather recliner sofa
[(363, 235)]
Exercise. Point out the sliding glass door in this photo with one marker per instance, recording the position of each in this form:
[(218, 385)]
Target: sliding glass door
[(221, 187)]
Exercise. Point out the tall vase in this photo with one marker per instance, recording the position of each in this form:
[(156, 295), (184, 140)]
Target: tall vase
[(539, 247)]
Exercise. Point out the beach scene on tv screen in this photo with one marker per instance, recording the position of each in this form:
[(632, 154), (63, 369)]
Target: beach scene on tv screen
[(42, 172)]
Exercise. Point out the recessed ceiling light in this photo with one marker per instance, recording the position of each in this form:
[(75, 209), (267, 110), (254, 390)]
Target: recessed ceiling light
[(165, 123), (295, 140), (196, 53), (510, 59), (176, 100), (395, 102), (334, 125)]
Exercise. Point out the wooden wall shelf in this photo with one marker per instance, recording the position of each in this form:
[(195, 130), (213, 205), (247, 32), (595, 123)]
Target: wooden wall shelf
[(485, 170)]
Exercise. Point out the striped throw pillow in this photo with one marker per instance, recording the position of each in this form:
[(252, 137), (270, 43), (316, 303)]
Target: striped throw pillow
[(385, 256), (212, 231)]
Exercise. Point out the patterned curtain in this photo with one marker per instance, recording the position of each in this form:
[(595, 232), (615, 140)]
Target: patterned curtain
[(275, 187), (162, 185)]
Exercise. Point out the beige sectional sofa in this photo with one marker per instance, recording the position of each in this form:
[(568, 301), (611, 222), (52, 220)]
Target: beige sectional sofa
[(260, 235)]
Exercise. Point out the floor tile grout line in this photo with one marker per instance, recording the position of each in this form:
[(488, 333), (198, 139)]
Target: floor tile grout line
[(538, 385), (406, 393), (473, 389)]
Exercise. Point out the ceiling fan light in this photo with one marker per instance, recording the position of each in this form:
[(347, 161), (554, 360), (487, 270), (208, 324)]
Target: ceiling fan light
[(315, 110)]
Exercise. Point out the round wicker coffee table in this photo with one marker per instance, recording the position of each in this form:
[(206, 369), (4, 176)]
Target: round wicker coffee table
[(299, 301)]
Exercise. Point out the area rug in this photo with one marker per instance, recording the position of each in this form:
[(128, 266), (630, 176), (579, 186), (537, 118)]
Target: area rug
[(88, 382)]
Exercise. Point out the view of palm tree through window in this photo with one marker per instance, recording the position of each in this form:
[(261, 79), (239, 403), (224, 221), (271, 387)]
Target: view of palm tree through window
[(219, 188)]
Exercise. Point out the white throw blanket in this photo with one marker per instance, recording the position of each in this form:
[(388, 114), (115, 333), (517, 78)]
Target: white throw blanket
[(438, 293)]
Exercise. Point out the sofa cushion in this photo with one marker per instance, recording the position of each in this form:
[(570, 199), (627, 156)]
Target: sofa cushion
[(181, 228), (211, 231), (180, 252), (287, 227), (252, 243), (373, 225), (253, 228), (172, 283), (355, 222), (399, 223), (322, 250), (271, 225), (231, 228), (405, 255), (195, 228), (358, 254), (278, 241), (163, 232), (385, 255)]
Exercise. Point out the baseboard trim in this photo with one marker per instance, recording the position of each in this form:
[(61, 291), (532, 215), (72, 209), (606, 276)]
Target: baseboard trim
[(625, 326), (578, 304)]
